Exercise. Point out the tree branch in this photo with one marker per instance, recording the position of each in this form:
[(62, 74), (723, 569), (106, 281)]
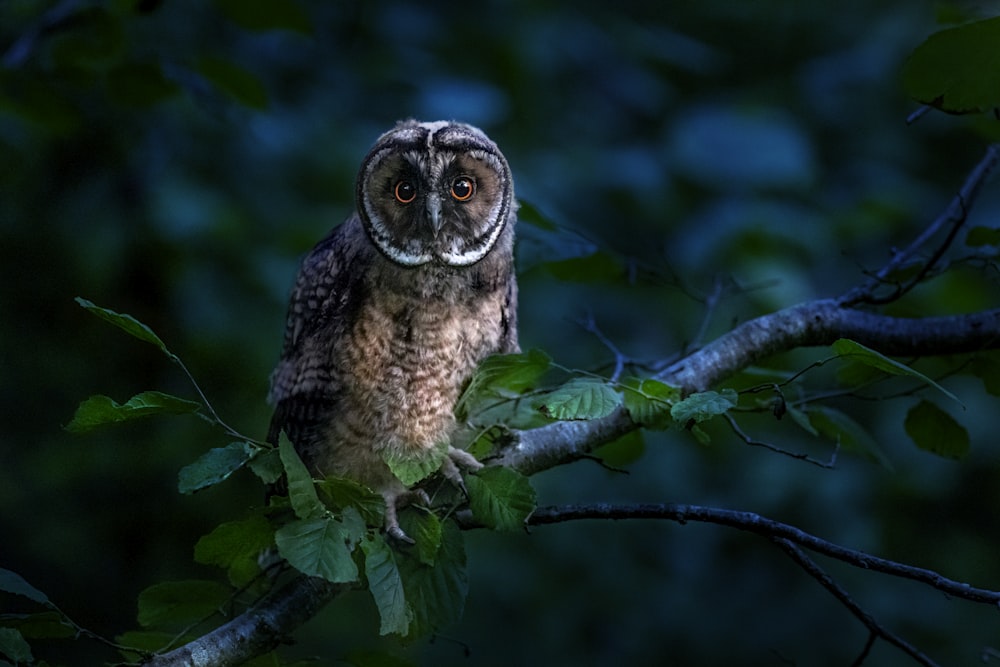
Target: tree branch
[(874, 627), (258, 630), (759, 525)]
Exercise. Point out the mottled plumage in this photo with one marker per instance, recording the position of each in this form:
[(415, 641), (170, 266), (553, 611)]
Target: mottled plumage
[(393, 310)]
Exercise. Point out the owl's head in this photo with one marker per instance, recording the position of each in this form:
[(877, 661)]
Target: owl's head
[(435, 192)]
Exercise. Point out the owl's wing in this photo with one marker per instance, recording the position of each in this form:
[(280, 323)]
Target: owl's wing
[(304, 384)]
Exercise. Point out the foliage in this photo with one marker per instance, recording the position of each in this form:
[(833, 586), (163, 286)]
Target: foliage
[(680, 172)]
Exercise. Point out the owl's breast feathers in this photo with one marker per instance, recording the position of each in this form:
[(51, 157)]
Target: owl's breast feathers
[(375, 356)]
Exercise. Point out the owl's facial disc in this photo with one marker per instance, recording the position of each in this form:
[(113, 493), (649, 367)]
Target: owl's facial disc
[(435, 192)]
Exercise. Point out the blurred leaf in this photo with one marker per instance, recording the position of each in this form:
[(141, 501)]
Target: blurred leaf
[(500, 498), (846, 432), (528, 213), (235, 546), (934, 430), (412, 466), (301, 491), (126, 323), (342, 493), (624, 450), (801, 418), (856, 351), (13, 645), (266, 14), (376, 658), (230, 78), (93, 39), (180, 603), (146, 641), (649, 401), (140, 84), (386, 586), (214, 466), (436, 594), (319, 547), (980, 236), (599, 267), (12, 582), (101, 410), (958, 69), (581, 398), (704, 405), (987, 369)]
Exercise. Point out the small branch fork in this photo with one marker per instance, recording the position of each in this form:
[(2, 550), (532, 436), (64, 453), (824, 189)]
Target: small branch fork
[(789, 539)]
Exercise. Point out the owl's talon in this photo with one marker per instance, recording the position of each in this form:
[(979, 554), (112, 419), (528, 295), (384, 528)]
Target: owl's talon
[(456, 459), (394, 501)]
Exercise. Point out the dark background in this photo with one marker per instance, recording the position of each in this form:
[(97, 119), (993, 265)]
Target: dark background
[(762, 144)]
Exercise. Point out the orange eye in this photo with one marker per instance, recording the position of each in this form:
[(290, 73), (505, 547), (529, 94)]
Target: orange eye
[(405, 192), (463, 188)]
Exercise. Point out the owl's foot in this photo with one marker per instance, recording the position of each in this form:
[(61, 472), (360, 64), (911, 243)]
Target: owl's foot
[(395, 501), (456, 461)]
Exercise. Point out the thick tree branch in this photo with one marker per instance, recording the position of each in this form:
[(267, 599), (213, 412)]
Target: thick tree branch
[(809, 324), (258, 630)]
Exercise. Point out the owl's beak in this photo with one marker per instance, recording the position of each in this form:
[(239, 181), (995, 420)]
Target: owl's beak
[(434, 213)]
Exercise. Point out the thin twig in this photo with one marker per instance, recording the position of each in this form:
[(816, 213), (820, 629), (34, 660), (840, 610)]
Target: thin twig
[(589, 324), (955, 216), (828, 464), (876, 629)]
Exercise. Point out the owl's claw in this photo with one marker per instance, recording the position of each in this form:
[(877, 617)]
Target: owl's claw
[(394, 501), (459, 459)]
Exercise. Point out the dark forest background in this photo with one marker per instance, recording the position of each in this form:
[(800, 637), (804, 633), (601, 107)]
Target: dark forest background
[(174, 160)]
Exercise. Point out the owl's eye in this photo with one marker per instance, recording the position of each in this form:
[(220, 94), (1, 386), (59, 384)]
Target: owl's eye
[(463, 188), (405, 192)]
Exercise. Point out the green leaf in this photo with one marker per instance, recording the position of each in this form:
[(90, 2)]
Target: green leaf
[(703, 406), (848, 348), (267, 465), (386, 586), (934, 430), (363, 657), (509, 374), (500, 498), (649, 401), (319, 547), (424, 528), (126, 323), (236, 546), (958, 69), (100, 410), (341, 493), (412, 466), (801, 417), (232, 79), (214, 466), (436, 594), (263, 15), (980, 236), (849, 434), (12, 582), (301, 491), (180, 603), (581, 399), (528, 213), (13, 645), (48, 624)]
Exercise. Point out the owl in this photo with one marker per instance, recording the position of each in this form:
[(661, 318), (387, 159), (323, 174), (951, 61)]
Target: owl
[(394, 309)]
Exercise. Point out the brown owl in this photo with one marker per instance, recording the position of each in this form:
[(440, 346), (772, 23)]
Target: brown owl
[(393, 310)]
